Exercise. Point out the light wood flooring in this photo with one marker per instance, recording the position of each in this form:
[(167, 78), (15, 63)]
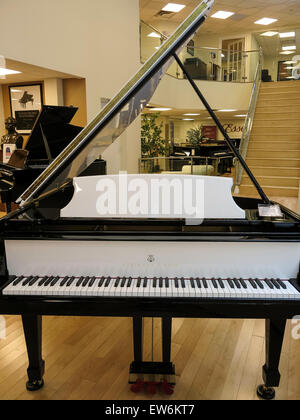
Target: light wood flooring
[(89, 358)]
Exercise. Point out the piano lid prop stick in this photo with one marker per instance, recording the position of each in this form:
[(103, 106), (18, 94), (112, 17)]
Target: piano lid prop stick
[(221, 128)]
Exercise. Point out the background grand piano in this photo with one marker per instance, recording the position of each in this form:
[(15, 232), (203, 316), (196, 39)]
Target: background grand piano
[(51, 133)]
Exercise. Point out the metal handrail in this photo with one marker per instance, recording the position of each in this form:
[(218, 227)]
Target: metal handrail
[(248, 124)]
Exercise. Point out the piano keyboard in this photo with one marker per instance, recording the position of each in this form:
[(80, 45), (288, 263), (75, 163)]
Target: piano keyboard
[(158, 287)]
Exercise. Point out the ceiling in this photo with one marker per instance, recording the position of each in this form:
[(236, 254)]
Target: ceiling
[(246, 13), (178, 114), (29, 73)]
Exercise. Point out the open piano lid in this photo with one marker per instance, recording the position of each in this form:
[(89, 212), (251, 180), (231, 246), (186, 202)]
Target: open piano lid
[(52, 125), (119, 113)]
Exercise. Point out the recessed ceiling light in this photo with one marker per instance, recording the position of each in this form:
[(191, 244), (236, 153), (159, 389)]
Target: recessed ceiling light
[(270, 33), (7, 72), (265, 21), (227, 110), (173, 7), (289, 48), (222, 15), (191, 115), (188, 119), (287, 35), (160, 109), (241, 116), (153, 35)]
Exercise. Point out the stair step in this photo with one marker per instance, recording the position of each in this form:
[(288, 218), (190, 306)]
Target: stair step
[(286, 95), (278, 123), (275, 181), (278, 109), (278, 162), (272, 153), (286, 138), (278, 85), (278, 102), (276, 130), (273, 145), (282, 116), (274, 171), (248, 189)]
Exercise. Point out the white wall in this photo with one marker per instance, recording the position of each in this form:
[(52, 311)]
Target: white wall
[(220, 95), (95, 39)]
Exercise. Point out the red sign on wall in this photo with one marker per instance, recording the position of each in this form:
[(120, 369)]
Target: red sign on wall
[(209, 132)]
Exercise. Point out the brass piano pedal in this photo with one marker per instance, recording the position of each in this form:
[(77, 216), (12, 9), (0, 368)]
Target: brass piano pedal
[(152, 376), (265, 392)]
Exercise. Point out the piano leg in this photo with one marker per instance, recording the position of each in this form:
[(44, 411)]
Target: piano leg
[(166, 339), (138, 338), (274, 339), (32, 325)]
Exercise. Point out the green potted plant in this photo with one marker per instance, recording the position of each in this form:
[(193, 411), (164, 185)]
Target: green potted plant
[(194, 136), (152, 143)]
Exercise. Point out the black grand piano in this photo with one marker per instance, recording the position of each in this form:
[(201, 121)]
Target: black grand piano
[(51, 133), (240, 261)]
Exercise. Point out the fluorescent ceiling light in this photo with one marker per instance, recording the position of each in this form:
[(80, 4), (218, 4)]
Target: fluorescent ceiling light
[(160, 109), (290, 68), (286, 52), (222, 15), (289, 48), (191, 115), (7, 72), (265, 21), (154, 35), (173, 7), (287, 35), (188, 119), (290, 62), (270, 33), (227, 110), (242, 115)]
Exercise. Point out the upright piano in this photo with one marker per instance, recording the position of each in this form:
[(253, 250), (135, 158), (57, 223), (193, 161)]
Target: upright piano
[(238, 258)]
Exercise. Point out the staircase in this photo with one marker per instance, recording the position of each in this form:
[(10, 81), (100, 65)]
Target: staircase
[(274, 147)]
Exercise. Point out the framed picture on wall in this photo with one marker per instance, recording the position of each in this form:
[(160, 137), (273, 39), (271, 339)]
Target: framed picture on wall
[(26, 101)]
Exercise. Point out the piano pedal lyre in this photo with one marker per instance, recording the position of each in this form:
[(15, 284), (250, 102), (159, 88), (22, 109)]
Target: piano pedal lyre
[(152, 376)]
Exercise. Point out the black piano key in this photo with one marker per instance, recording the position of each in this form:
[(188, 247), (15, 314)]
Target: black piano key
[(101, 281), (176, 283), (18, 280), (161, 283), (253, 284), (54, 281), (71, 281), (107, 283), (274, 282), (86, 281), (27, 281), (215, 284), (167, 282), (117, 282), (145, 283), (243, 283), (281, 283), (92, 281), (221, 283), (237, 283), (198, 282), (231, 284), (42, 281), (139, 282), (123, 282), (154, 282), (129, 283), (205, 283), (182, 283), (259, 283), (269, 284), (192, 283), (80, 281), (49, 281), (63, 282), (34, 280)]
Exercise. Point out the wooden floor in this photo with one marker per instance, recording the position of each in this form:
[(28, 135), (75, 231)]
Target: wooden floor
[(89, 358)]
